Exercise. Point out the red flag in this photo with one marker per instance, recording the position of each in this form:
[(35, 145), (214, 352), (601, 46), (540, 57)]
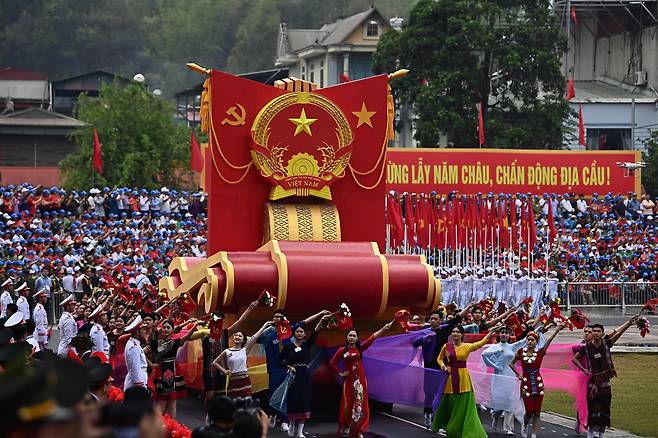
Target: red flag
[(283, 330), (410, 220), (97, 161), (524, 222), (481, 125), (515, 233), (571, 90), (344, 78), (503, 225), (552, 231), (573, 16), (532, 224), (196, 160), (395, 221), (581, 126), (422, 229)]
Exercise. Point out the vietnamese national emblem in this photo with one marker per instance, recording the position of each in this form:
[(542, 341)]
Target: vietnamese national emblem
[(301, 142)]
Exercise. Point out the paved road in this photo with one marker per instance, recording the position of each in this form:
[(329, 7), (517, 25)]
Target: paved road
[(401, 422)]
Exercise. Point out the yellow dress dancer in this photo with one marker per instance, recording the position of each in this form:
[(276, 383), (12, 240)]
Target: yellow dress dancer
[(457, 413)]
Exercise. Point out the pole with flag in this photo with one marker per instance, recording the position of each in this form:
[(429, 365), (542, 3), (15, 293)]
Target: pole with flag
[(196, 160), (97, 161)]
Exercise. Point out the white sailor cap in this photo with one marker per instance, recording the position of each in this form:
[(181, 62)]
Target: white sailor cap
[(14, 319), (96, 311), (41, 292), (7, 281), (21, 287), (134, 324), (66, 300)]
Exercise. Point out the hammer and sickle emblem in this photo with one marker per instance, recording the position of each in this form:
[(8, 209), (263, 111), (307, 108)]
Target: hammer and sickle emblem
[(235, 118), (284, 329)]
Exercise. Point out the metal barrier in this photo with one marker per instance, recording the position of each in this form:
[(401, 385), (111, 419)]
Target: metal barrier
[(606, 294)]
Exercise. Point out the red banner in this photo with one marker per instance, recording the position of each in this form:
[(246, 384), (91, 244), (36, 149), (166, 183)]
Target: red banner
[(470, 171)]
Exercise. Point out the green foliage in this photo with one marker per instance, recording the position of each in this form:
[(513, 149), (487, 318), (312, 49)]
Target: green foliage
[(142, 145), (650, 173), (157, 37), (505, 53)]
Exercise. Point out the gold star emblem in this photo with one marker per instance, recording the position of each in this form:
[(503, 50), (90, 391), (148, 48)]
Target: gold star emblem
[(364, 115), (302, 123)]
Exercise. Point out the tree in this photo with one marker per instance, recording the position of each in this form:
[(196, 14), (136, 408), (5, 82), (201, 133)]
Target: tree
[(142, 145), (650, 173), (503, 53)]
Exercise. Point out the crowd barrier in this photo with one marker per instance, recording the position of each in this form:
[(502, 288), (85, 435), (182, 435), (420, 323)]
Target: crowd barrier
[(611, 294)]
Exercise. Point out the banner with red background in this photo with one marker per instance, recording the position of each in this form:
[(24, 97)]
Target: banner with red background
[(470, 171)]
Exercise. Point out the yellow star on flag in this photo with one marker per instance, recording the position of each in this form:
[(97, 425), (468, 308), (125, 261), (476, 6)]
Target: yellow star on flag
[(364, 115), (302, 123)]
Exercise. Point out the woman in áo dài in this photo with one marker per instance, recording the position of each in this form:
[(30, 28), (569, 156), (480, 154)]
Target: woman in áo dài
[(296, 357), (232, 362), (457, 413), (532, 384), (354, 413)]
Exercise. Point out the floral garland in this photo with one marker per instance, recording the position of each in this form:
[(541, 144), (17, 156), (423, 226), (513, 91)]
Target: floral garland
[(175, 429), (114, 394)]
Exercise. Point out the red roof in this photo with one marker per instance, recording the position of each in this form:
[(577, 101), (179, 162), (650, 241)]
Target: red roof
[(18, 74)]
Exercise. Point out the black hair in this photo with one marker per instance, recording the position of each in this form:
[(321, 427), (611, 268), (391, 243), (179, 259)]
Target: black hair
[(358, 341), (281, 312), (438, 312), (460, 328), (589, 326), (477, 308), (599, 326), (246, 425), (14, 308), (30, 326), (169, 322), (220, 409)]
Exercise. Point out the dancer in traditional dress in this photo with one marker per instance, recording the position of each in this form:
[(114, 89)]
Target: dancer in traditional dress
[(457, 413), (296, 357), (273, 341), (584, 364), (602, 370), (432, 343), (354, 413), (232, 362), (169, 386), (532, 384)]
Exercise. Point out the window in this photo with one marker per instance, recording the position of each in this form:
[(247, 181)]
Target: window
[(321, 77), (312, 76), (372, 29), (609, 139), (303, 73)]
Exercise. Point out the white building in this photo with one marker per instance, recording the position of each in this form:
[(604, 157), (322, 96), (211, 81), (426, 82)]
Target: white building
[(613, 59)]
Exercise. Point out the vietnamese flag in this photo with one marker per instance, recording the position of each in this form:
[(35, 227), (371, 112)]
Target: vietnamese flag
[(409, 219), (196, 160), (97, 161), (524, 222), (503, 225), (571, 90), (395, 221)]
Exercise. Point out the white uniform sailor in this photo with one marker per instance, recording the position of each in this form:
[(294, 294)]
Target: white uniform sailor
[(21, 301), (40, 318), (98, 335), (135, 358), (5, 299), (67, 327)]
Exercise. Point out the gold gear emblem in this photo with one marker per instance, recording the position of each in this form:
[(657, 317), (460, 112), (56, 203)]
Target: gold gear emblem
[(303, 174)]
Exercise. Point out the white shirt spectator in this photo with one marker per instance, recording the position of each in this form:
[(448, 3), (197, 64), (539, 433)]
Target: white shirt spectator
[(581, 205)]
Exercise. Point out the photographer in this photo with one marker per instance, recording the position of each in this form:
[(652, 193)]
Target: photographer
[(220, 416)]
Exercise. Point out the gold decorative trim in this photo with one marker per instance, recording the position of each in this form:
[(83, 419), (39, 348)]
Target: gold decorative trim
[(227, 266), (302, 222), (279, 259), (385, 280), (430, 281), (437, 293)]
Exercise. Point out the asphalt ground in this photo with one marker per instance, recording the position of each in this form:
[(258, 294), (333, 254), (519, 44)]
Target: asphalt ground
[(400, 422)]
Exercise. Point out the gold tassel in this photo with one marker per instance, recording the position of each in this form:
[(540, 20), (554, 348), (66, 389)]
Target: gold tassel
[(390, 114), (204, 111)]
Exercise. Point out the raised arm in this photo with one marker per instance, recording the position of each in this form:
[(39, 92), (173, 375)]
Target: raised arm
[(322, 323), (616, 333), (467, 309), (311, 319), (252, 340), (238, 323), (482, 342), (501, 318), (381, 331), (544, 349), (189, 334)]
